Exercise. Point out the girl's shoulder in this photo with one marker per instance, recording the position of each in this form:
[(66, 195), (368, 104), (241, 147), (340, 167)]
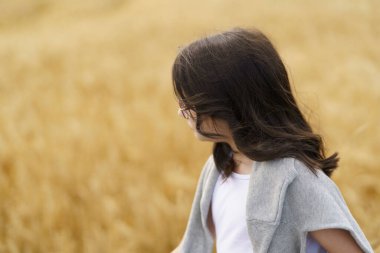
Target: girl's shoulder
[(318, 183)]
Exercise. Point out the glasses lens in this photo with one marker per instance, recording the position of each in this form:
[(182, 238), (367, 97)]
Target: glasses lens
[(185, 114)]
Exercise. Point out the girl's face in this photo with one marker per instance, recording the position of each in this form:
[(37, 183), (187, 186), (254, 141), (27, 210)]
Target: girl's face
[(207, 126)]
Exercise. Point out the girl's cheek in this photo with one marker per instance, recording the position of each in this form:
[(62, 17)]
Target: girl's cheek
[(191, 123)]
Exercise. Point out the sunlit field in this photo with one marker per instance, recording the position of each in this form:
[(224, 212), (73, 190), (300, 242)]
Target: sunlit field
[(93, 156)]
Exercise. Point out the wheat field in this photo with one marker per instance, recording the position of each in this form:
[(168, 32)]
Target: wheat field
[(93, 156)]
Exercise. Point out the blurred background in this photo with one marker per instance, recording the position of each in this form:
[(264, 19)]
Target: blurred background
[(93, 156)]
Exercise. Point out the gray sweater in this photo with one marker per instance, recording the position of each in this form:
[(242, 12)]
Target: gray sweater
[(285, 200)]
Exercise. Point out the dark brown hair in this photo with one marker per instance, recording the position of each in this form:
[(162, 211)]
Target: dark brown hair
[(238, 76)]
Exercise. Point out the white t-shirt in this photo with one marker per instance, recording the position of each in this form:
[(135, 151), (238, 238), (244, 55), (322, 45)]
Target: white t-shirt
[(228, 213)]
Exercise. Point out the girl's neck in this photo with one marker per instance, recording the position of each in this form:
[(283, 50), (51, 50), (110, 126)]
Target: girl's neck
[(243, 163)]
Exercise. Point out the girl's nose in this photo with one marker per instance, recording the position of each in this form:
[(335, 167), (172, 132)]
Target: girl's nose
[(179, 112)]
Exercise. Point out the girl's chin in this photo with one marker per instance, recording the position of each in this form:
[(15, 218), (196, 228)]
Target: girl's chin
[(201, 137), (204, 138)]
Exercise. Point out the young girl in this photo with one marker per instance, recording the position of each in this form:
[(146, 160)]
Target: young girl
[(266, 187)]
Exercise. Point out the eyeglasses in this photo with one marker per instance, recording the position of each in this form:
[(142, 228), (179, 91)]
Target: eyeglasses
[(185, 112)]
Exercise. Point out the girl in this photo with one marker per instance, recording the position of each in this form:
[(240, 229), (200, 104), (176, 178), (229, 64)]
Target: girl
[(266, 187)]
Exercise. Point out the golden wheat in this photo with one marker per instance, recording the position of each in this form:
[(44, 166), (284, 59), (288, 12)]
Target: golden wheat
[(93, 157)]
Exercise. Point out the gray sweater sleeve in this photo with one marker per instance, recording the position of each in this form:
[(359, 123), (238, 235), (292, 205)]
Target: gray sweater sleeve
[(322, 206)]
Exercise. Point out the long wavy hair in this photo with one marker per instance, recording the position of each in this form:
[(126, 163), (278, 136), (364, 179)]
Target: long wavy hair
[(238, 76)]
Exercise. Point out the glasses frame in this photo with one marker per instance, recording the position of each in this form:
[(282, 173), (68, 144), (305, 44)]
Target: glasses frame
[(185, 112)]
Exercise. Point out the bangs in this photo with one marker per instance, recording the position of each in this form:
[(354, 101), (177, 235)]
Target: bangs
[(179, 79), (184, 83)]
